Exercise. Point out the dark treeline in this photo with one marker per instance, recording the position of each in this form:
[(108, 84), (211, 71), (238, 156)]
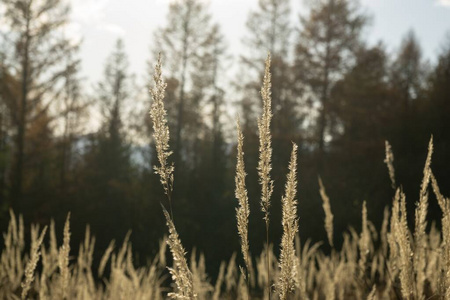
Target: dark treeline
[(333, 94)]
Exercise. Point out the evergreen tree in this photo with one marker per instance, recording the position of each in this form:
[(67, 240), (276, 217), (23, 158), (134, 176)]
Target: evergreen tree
[(73, 110), (269, 29), (182, 42), (363, 117), (408, 84), (362, 99), (329, 36), (109, 159), (8, 87), (35, 48), (408, 72), (113, 92), (210, 185), (208, 85), (435, 111)]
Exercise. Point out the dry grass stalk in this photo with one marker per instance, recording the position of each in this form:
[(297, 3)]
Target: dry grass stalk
[(373, 293), (384, 232), (53, 243), (11, 261), (443, 204), (105, 258), (401, 237), (364, 242), (265, 156), (63, 259), (421, 224), (328, 214), (231, 274), (201, 282), (389, 161), (300, 261), (329, 285), (82, 270), (243, 211), (288, 268), (161, 259), (181, 274), (392, 263), (161, 132), (265, 143), (32, 262), (242, 292), (219, 281), (445, 246)]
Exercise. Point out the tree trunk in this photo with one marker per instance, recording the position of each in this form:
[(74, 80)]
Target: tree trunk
[(324, 97), (180, 116), (17, 179)]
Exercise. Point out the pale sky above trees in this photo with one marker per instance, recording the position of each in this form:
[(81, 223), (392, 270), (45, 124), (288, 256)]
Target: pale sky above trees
[(101, 22)]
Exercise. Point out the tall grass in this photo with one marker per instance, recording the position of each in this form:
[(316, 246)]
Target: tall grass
[(243, 211), (265, 158), (394, 263), (180, 272), (288, 268)]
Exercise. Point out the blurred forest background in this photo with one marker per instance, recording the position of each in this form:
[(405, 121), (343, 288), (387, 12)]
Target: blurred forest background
[(336, 97)]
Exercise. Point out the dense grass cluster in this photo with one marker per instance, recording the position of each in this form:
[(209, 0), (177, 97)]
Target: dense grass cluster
[(393, 263)]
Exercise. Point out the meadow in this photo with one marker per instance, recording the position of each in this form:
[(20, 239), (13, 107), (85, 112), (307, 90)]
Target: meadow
[(395, 262)]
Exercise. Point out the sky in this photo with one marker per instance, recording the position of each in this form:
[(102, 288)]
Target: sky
[(101, 22)]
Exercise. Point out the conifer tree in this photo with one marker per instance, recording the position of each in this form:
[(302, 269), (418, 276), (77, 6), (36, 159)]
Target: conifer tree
[(408, 72), (209, 86), (110, 152), (182, 42), (269, 29), (329, 36), (72, 112), (35, 48)]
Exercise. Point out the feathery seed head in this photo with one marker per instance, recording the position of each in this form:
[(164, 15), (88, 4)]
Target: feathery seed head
[(364, 240), (389, 161), (63, 258), (32, 262), (180, 272), (403, 245), (265, 143), (328, 214), (288, 274), (243, 211), (421, 223), (161, 130)]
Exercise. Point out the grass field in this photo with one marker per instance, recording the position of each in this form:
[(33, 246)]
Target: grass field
[(393, 263)]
